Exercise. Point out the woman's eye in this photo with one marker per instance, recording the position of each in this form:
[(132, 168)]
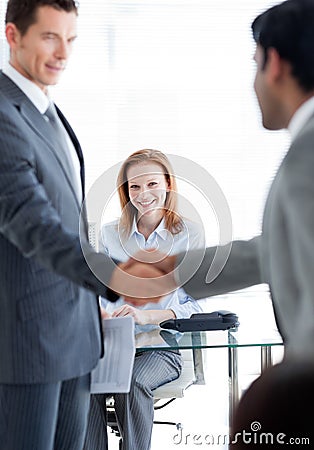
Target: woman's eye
[(153, 183)]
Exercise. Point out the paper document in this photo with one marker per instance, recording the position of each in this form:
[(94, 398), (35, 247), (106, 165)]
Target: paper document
[(113, 372)]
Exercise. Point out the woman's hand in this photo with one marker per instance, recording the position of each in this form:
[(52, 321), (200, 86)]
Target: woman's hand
[(104, 314), (144, 316), (140, 316), (148, 338)]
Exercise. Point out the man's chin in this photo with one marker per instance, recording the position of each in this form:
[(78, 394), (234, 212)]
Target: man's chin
[(51, 80), (271, 126)]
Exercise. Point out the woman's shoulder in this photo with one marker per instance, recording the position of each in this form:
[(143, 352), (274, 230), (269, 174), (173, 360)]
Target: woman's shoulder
[(108, 231), (191, 236), (191, 227), (110, 241)]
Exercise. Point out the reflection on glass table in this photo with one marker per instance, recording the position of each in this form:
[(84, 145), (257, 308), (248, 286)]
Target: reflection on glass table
[(232, 340)]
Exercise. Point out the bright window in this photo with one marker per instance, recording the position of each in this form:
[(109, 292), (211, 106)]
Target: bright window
[(174, 75)]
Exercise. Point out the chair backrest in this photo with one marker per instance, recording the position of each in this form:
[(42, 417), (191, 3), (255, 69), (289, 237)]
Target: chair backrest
[(92, 235), (188, 376)]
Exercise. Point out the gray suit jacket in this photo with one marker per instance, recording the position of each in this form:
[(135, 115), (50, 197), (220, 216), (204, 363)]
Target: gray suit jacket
[(49, 317), (282, 256)]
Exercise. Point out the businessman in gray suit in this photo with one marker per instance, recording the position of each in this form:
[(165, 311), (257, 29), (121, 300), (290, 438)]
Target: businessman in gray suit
[(283, 255), (50, 331)]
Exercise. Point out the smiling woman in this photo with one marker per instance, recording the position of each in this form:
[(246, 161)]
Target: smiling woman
[(147, 189), (149, 220), (147, 192)]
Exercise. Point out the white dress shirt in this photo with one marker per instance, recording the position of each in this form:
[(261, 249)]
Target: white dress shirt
[(300, 117)]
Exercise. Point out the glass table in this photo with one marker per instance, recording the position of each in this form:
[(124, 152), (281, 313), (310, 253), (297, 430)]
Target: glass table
[(232, 340)]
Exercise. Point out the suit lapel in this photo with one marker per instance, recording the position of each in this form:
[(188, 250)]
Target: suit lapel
[(82, 165), (76, 146), (36, 121), (39, 125)]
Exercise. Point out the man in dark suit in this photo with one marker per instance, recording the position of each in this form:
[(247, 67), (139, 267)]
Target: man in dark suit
[(283, 255), (50, 331)]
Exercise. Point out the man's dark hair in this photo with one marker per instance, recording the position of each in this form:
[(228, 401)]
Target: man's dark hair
[(23, 12), (289, 28)]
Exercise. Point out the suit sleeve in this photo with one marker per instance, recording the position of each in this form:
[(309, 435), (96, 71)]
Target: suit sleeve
[(29, 221), (236, 266)]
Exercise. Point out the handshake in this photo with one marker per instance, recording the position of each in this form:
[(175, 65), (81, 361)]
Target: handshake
[(144, 278)]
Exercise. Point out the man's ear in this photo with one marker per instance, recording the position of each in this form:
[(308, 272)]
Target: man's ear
[(12, 34), (275, 66)]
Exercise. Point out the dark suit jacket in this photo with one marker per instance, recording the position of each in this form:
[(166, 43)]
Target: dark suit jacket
[(49, 317)]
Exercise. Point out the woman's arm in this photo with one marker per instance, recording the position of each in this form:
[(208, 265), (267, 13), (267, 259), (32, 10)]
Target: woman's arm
[(144, 316)]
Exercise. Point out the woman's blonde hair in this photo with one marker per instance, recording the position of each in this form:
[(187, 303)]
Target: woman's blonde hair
[(173, 221)]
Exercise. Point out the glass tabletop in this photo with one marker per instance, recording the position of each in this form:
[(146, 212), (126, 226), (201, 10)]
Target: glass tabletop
[(158, 339)]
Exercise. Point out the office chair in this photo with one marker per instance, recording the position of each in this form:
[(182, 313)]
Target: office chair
[(192, 373)]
